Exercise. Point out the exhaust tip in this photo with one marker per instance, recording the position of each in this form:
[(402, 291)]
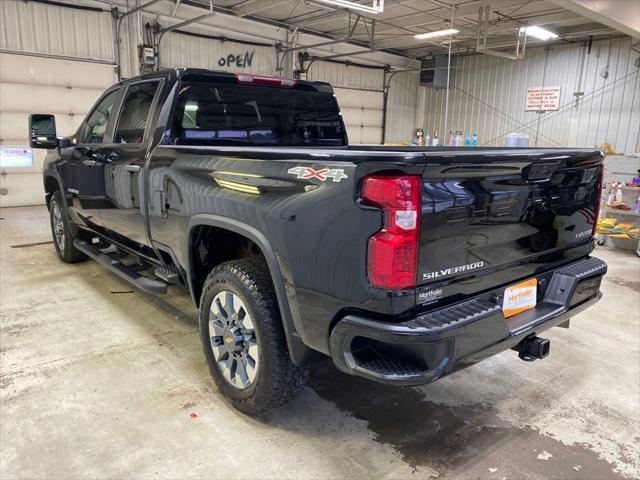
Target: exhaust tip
[(533, 348)]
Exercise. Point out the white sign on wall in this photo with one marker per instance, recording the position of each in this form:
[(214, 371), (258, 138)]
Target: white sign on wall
[(542, 99), (16, 157)]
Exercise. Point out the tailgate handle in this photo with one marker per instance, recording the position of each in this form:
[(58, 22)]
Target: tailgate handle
[(540, 171)]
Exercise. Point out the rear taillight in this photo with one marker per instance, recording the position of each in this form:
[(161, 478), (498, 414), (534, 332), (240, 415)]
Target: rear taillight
[(262, 80), (392, 257), (596, 214)]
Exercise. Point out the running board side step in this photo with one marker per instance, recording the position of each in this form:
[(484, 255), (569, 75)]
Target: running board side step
[(146, 284)]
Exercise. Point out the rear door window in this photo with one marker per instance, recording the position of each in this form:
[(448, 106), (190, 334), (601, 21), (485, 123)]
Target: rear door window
[(227, 114), (135, 112)]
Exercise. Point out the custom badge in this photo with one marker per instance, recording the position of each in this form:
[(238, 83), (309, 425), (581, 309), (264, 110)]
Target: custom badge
[(322, 174)]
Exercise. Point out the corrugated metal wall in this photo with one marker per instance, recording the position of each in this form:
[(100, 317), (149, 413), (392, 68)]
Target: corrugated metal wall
[(401, 107), (180, 50), (347, 76), (39, 28), (488, 97)]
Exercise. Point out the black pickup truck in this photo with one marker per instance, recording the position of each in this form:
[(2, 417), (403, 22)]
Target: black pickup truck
[(402, 264)]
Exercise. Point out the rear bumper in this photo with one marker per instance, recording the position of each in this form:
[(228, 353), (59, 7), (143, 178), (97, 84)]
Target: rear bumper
[(435, 343)]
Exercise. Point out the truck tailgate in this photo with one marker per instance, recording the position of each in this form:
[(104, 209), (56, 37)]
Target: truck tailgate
[(499, 209)]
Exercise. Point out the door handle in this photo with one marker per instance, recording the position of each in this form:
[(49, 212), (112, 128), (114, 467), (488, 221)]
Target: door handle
[(89, 163), (132, 168)]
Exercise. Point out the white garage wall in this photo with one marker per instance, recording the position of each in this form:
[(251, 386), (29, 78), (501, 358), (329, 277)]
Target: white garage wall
[(53, 59), (29, 84), (359, 91), (488, 97), (401, 108), (362, 114)]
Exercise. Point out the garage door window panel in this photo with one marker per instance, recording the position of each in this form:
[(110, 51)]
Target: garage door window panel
[(135, 111)]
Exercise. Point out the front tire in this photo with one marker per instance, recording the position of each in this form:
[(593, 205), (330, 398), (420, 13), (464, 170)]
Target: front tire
[(244, 340), (61, 231)]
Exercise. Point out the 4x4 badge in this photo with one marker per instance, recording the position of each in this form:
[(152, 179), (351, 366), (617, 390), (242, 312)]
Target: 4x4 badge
[(305, 173)]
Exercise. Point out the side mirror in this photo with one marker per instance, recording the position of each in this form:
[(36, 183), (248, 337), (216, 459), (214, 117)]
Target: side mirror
[(42, 131)]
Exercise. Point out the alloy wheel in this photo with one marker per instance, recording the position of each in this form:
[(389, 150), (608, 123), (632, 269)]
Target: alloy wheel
[(58, 226), (233, 340)]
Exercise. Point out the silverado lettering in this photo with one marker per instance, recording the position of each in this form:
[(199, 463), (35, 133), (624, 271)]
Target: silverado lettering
[(452, 271)]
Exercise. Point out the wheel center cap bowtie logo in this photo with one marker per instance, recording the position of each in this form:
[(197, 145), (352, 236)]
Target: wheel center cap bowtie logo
[(306, 173), (228, 340)]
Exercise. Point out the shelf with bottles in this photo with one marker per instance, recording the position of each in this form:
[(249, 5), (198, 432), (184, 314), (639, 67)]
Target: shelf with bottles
[(620, 215), (620, 197), (456, 139)]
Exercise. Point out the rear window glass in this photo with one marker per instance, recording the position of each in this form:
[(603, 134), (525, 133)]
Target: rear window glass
[(229, 114)]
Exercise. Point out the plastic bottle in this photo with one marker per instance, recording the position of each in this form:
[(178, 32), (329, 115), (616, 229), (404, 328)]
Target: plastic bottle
[(459, 138), (452, 140), (427, 140), (467, 140), (436, 142), (474, 140), (612, 194), (619, 195)]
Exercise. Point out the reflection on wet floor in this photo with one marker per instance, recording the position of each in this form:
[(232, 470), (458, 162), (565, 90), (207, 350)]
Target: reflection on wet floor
[(467, 441)]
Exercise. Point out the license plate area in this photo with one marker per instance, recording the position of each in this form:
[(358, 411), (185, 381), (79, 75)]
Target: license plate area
[(520, 297)]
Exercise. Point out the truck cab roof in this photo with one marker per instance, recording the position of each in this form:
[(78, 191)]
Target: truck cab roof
[(203, 74)]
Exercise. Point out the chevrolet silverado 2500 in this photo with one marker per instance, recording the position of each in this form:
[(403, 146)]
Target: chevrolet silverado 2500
[(401, 264)]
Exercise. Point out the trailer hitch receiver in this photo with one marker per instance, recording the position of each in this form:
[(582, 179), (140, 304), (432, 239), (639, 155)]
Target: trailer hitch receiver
[(532, 348)]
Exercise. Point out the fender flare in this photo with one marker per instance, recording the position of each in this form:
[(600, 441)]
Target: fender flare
[(300, 354), (56, 176), (53, 174)]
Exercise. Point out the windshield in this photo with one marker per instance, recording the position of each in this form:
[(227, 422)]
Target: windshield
[(232, 114)]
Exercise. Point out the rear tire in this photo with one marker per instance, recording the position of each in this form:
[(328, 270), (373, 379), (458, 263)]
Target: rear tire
[(243, 338), (61, 231)]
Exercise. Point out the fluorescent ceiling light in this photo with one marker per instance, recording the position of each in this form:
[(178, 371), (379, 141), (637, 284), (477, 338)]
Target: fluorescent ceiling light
[(538, 32), (378, 5), (439, 33)]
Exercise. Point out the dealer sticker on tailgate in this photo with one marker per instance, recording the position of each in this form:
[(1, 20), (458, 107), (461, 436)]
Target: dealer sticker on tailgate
[(520, 297)]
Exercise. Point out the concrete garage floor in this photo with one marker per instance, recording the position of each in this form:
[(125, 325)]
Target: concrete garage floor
[(98, 381)]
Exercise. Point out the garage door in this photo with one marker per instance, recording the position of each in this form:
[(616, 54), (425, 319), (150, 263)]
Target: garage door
[(31, 84), (362, 111)]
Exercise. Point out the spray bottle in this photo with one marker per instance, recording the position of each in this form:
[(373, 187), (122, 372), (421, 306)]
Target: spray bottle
[(618, 200), (612, 194)]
